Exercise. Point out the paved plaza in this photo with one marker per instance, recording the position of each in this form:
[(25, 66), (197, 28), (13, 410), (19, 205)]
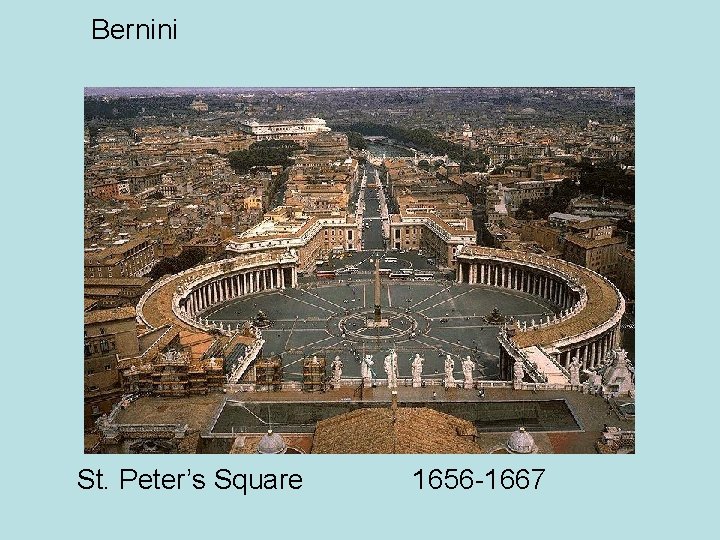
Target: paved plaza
[(432, 319)]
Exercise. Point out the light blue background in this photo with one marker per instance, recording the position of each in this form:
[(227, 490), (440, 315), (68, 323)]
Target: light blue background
[(665, 52)]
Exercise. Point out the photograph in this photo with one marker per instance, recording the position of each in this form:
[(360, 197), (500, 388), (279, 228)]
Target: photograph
[(359, 270)]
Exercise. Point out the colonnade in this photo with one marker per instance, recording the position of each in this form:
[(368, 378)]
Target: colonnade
[(591, 353), (590, 348), (215, 291), (519, 278)]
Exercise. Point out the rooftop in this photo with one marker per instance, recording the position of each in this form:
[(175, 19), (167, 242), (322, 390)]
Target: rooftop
[(405, 430), (589, 243), (106, 315)]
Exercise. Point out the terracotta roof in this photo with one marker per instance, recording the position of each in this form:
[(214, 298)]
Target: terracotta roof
[(591, 224), (106, 315), (415, 431), (117, 282), (589, 243)]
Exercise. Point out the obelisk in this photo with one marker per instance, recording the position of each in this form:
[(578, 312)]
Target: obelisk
[(378, 316)]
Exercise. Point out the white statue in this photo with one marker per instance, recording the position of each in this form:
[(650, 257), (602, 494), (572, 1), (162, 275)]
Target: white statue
[(337, 366), (518, 374), (468, 366), (617, 375), (449, 367), (417, 367), (575, 371), (391, 368), (365, 371)]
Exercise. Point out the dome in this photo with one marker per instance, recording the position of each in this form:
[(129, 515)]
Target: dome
[(521, 442), (271, 443)]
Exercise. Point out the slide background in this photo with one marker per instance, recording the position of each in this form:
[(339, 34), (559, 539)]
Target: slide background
[(666, 53)]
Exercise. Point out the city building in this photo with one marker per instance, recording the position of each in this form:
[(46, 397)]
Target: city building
[(199, 105), (591, 244), (125, 258), (110, 335), (293, 130), (312, 237)]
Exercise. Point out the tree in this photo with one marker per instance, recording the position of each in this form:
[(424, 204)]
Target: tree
[(262, 154), (355, 140), (172, 265)]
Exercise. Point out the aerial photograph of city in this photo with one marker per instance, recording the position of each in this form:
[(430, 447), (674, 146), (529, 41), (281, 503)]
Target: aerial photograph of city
[(359, 270)]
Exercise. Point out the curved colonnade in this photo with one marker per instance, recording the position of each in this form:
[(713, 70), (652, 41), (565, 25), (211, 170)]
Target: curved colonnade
[(590, 307), (586, 327), (182, 298)]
